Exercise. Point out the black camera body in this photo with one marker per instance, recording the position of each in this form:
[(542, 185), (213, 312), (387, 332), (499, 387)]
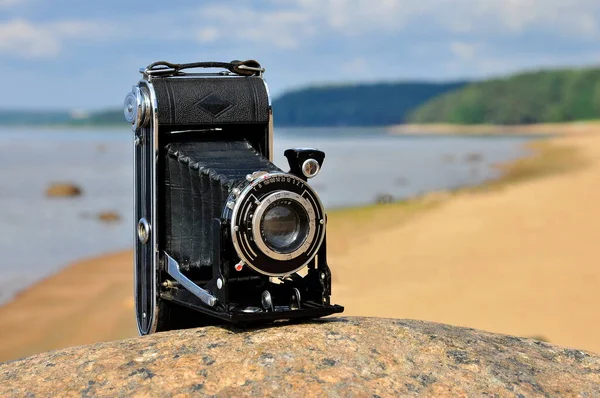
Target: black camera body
[(222, 234)]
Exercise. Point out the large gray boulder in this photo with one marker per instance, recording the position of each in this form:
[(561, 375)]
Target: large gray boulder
[(334, 357)]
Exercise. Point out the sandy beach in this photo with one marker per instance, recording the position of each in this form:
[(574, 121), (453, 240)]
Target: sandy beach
[(519, 257)]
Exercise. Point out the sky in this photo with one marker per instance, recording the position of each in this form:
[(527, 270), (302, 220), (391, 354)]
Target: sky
[(85, 55)]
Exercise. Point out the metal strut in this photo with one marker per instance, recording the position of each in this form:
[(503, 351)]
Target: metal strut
[(173, 270)]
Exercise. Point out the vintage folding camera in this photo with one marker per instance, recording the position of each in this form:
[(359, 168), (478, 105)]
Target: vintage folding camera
[(222, 234)]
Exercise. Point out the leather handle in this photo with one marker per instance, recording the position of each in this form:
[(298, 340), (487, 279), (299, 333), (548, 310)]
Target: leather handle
[(243, 68)]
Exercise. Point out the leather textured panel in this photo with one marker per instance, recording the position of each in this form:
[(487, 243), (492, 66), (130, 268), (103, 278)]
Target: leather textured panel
[(198, 179), (211, 101)]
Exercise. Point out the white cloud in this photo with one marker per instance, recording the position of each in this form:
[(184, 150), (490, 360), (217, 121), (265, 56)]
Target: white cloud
[(570, 18), (353, 17), (281, 28), (25, 39), (206, 35), (289, 25), (464, 50), (81, 29), (21, 38), (356, 66), (574, 18)]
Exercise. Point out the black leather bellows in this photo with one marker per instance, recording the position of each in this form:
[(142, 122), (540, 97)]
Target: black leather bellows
[(198, 179)]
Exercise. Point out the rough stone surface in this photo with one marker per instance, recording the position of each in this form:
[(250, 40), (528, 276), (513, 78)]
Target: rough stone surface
[(334, 357)]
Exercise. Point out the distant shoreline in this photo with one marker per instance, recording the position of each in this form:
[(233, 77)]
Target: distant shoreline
[(111, 126), (399, 129), (475, 129)]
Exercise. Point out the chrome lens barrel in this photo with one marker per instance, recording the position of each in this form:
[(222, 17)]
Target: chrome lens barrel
[(290, 227), (277, 223), (284, 225)]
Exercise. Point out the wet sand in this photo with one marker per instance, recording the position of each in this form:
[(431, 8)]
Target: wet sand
[(86, 302), (521, 259)]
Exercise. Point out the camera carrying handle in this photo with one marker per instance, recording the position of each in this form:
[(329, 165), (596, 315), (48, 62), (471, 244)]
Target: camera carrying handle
[(243, 68)]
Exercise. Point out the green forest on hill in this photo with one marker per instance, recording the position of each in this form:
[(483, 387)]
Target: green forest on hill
[(534, 97), (355, 105)]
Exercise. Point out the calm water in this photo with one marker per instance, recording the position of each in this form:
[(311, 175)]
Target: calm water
[(40, 235)]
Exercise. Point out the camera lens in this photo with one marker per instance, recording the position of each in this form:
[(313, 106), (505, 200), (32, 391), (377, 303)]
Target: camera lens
[(284, 226), (277, 224)]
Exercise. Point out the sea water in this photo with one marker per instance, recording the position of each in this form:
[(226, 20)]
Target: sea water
[(39, 235)]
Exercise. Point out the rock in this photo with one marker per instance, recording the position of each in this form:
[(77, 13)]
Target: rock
[(448, 158), (109, 216), (474, 157), (335, 357), (400, 181), (384, 198), (63, 190)]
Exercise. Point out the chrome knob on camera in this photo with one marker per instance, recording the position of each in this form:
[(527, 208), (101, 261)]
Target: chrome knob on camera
[(310, 168), (137, 108), (305, 162)]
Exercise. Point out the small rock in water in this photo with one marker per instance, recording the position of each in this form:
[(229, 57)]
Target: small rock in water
[(448, 158), (109, 216), (384, 198), (400, 181), (61, 189), (474, 157)]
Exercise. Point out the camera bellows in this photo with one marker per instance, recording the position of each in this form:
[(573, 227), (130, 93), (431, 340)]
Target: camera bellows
[(198, 179)]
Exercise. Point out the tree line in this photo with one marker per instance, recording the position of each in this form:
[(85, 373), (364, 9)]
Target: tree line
[(533, 97), (376, 104)]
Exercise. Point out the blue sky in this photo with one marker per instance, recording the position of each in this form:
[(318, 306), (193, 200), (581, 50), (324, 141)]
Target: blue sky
[(80, 54)]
